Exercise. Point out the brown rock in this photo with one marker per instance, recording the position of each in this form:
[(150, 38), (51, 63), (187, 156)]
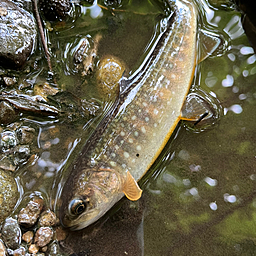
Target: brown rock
[(28, 236), (29, 215), (19, 252), (61, 234), (2, 249), (48, 218), (33, 248), (43, 236)]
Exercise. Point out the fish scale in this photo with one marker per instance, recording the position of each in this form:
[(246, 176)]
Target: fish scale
[(141, 124)]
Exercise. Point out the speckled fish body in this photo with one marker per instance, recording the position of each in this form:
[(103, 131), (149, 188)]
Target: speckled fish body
[(143, 122)]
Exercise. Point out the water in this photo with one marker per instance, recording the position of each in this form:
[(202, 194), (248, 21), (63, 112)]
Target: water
[(199, 197)]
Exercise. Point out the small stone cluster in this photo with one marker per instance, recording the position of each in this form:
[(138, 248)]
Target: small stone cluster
[(32, 232)]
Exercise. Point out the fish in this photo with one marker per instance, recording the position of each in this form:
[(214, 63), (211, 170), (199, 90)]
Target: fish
[(128, 141)]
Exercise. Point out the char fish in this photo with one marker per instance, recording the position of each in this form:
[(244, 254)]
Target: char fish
[(127, 143)]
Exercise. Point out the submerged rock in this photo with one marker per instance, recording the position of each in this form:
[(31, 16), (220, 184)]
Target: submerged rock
[(55, 9), (11, 233), (109, 73), (17, 35), (8, 194), (43, 236), (29, 215)]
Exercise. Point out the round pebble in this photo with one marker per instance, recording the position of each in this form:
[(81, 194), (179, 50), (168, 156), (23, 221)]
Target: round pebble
[(47, 218), (109, 73), (11, 233), (43, 236), (8, 194), (28, 236)]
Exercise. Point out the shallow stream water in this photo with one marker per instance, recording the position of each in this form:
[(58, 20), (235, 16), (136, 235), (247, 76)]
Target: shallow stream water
[(199, 198)]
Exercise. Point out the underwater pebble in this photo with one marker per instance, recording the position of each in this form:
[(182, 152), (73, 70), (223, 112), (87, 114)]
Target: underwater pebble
[(25, 134), (44, 90), (11, 233), (85, 55), (33, 248), (61, 234), (109, 73), (55, 9), (43, 236), (19, 252), (8, 140), (47, 218), (9, 81), (28, 236), (8, 194), (28, 216), (17, 35), (2, 249), (7, 113)]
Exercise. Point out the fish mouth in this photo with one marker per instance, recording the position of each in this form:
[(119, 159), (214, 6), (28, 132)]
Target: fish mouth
[(81, 221)]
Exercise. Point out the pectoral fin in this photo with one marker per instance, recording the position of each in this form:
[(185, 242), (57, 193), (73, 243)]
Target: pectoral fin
[(131, 188)]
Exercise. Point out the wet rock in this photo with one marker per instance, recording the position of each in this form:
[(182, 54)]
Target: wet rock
[(8, 194), (109, 73), (8, 140), (28, 236), (19, 252), (9, 81), (7, 113), (86, 53), (2, 249), (48, 218), (25, 134), (11, 233), (17, 35), (33, 249), (28, 216), (61, 234), (55, 9), (44, 90), (43, 236)]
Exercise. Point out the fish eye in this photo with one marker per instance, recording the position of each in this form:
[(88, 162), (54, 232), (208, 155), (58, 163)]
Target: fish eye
[(77, 206)]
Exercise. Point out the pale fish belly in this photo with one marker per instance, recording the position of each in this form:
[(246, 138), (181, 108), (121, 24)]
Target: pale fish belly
[(151, 110)]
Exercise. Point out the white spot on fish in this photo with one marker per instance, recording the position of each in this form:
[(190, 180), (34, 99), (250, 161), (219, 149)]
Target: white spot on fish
[(173, 76), (121, 142), (136, 134), (126, 154), (112, 163), (143, 129), (138, 147), (113, 154), (156, 111), (133, 160), (134, 117), (144, 104), (146, 119), (116, 147), (124, 165), (155, 124), (130, 140), (122, 133), (154, 134)]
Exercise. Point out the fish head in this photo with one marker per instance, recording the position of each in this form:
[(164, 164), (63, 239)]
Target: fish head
[(94, 192)]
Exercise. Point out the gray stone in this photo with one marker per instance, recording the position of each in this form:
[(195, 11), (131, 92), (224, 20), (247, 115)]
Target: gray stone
[(8, 194), (17, 35), (11, 233)]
